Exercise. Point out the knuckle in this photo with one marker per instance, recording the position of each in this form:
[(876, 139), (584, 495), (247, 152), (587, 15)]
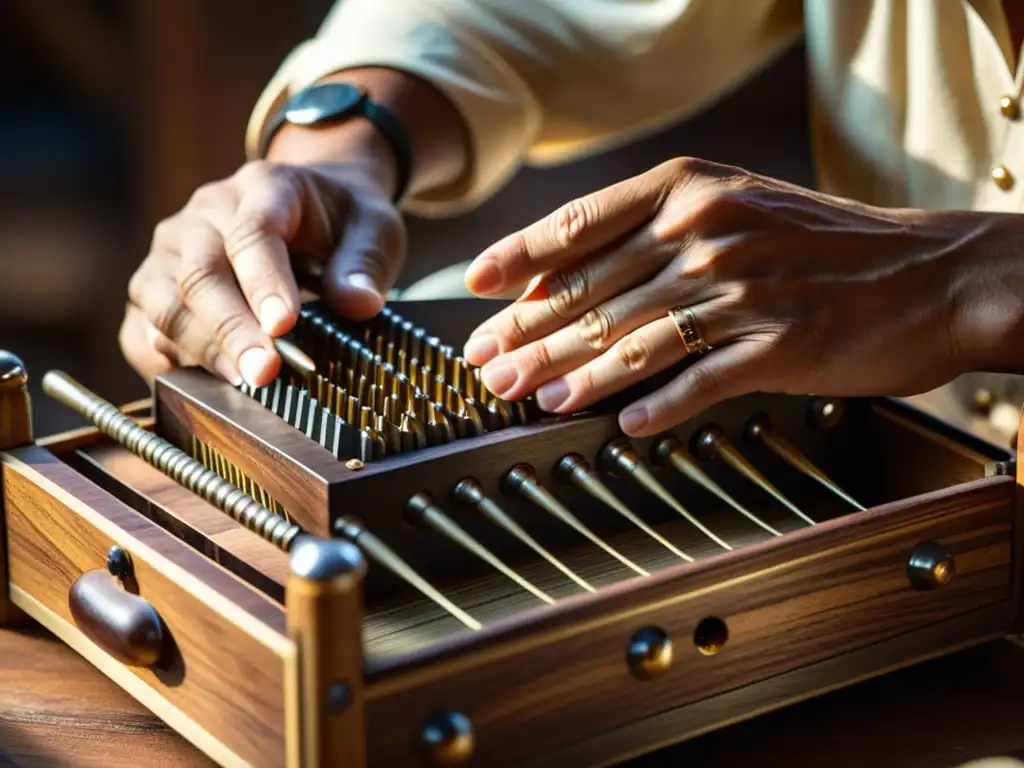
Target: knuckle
[(163, 232), (249, 230), (256, 169), (516, 332), (228, 328), (567, 290), (206, 194), (537, 357), (199, 275), (634, 352), (573, 219), (170, 317), (596, 327), (699, 381)]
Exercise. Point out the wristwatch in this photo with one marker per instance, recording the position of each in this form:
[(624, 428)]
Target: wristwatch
[(333, 102)]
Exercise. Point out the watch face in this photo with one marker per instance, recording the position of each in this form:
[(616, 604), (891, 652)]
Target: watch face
[(323, 102)]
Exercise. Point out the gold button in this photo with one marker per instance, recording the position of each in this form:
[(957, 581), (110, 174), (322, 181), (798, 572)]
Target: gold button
[(1002, 177), (1010, 107)]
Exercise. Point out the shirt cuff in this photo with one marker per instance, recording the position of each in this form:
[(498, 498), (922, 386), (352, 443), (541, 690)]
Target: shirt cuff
[(500, 114)]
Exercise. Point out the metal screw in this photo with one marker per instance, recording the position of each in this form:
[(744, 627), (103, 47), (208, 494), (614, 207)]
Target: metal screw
[(119, 564), (354, 464), (338, 697)]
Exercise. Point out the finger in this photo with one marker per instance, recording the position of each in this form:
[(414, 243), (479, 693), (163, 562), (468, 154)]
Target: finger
[(213, 299), (367, 261), (575, 229), (137, 348), (568, 294), (724, 373), (255, 243), (515, 375), (171, 328), (639, 355)]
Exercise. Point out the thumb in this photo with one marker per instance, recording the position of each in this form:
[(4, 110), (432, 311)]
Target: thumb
[(367, 260)]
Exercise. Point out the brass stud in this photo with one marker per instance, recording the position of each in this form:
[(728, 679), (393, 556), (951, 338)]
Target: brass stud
[(930, 566), (649, 654), (12, 371), (1009, 107), (354, 465), (446, 738), (1002, 177)]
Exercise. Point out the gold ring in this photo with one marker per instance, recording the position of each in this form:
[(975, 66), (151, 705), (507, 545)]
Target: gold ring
[(689, 332)]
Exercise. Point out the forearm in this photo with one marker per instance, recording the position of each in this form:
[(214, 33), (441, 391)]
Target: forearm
[(438, 137), (987, 295)]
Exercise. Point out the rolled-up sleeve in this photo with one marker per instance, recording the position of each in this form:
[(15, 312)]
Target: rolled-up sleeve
[(543, 80)]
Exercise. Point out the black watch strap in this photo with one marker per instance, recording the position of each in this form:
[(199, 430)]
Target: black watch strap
[(333, 102)]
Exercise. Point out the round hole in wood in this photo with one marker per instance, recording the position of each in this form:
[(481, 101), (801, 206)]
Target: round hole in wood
[(710, 636)]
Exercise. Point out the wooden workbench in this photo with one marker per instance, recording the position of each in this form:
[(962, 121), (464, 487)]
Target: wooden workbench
[(57, 710)]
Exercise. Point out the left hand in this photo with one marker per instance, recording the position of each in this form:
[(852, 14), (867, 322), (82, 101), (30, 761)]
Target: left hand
[(795, 292)]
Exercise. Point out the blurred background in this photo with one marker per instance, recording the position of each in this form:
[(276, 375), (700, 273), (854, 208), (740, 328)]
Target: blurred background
[(113, 111)]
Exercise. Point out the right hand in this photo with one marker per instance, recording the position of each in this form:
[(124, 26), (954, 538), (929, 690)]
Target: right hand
[(217, 284)]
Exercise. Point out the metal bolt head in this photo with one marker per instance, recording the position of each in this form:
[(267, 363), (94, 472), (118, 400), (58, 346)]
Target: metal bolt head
[(12, 371), (119, 564), (446, 738), (930, 566), (337, 698), (649, 653), (354, 464), (825, 412)]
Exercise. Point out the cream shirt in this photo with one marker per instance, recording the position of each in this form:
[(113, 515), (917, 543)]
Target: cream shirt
[(906, 95)]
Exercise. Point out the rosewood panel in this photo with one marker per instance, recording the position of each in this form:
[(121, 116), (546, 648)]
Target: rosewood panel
[(807, 597), (222, 681), (290, 466)]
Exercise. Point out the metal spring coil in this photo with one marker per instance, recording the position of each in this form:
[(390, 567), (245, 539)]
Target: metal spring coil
[(172, 461)]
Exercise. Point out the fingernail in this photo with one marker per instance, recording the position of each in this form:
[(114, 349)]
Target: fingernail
[(273, 313), (481, 349), (632, 420), (483, 276), (499, 376), (552, 394), (363, 282), (226, 371), (253, 363)]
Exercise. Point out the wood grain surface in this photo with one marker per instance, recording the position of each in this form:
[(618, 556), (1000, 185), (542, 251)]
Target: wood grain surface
[(789, 602), (223, 684)]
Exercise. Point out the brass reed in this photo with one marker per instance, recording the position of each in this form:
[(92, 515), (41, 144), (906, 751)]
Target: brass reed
[(170, 460), (759, 429), (619, 458)]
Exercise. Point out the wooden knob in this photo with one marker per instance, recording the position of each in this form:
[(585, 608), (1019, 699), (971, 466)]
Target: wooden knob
[(124, 625)]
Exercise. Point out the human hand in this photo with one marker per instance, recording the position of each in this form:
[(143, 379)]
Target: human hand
[(217, 285), (794, 291)]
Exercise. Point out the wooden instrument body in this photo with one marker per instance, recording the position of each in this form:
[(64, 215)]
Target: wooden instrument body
[(776, 620)]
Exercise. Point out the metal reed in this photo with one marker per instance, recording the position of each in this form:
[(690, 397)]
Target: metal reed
[(170, 460)]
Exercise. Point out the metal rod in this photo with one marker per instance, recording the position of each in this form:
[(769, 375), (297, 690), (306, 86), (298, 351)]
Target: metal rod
[(170, 460)]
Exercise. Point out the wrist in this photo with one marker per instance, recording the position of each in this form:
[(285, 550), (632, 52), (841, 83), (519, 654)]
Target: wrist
[(437, 138), (988, 293), (352, 143)]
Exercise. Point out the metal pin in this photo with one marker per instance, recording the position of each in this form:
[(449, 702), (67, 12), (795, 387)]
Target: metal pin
[(522, 480), (671, 451), (574, 470), (618, 457), (712, 443), (382, 554), (471, 493), (759, 429), (421, 509)]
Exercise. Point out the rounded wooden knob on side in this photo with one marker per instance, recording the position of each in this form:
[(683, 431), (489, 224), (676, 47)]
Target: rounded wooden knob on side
[(930, 566), (124, 625)]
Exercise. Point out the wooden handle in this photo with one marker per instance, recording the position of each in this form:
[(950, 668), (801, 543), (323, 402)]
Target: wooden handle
[(122, 624)]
